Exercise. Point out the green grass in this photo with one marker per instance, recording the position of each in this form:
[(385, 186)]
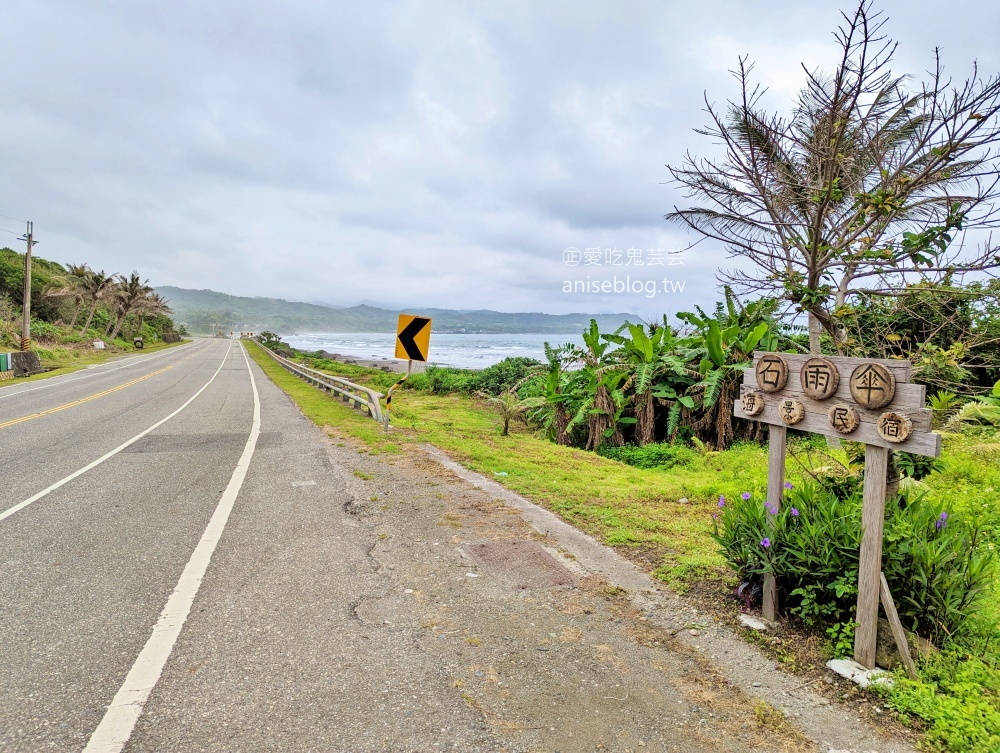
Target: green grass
[(624, 506), (62, 360)]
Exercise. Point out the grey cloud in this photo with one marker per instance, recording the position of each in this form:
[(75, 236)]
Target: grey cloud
[(420, 153)]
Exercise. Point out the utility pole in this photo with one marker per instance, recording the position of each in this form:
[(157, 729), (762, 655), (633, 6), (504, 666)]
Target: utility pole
[(26, 322)]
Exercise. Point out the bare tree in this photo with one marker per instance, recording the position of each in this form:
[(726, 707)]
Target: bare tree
[(861, 188)]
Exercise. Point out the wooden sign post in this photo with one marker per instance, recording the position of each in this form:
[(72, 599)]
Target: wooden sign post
[(865, 400)]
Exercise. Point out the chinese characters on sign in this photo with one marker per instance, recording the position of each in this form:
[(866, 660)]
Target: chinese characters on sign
[(772, 372), (820, 378), (894, 427), (791, 410), (843, 418), (872, 386), (785, 389), (878, 412), (753, 403)]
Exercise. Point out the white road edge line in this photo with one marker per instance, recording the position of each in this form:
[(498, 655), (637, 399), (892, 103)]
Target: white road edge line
[(76, 474), (131, 362), (116, 727)]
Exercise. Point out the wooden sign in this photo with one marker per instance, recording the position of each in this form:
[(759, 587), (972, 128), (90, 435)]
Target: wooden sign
[(820, 378), (753, 402), (772, 372), (908, 399), (843, 418), (894, 427), (791, 410), (876, 404), (872, 385)]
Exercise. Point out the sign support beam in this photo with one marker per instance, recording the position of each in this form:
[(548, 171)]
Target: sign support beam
[(775, 487), (870, 564)]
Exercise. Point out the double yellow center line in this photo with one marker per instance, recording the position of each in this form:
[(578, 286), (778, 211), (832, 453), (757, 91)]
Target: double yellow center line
[(57, 409)]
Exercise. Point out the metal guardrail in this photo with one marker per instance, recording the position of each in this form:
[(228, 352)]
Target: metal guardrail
[(363, 398)]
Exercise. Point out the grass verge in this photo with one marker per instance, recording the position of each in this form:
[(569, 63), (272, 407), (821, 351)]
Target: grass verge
[(60, 360)]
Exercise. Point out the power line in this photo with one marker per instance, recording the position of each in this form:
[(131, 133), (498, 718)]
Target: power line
[(12, 232), (16, 219)]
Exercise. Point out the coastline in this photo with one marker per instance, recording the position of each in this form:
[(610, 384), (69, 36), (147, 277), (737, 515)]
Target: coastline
[(391, 365)]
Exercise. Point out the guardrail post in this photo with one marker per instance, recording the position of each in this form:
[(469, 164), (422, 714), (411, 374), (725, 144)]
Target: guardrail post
[(365, 397)]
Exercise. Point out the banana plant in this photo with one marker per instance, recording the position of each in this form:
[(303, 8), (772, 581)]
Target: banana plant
[(722, 344), (553, 409), (655, 370)]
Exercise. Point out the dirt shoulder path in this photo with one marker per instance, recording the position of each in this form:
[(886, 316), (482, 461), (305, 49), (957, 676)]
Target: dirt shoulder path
[(607, 661)]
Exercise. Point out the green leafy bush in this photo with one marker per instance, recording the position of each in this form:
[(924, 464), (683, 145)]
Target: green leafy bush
[(44, 330), (441, 380), (917, 467), (936, 564), (661, 455), (502, 376), (959, 696), (494, 380)]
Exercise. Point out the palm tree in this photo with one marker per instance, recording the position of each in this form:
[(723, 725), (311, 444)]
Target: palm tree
[(71, 285), (552, 409), (600, 381), (722, 345), (97, 286), (508, 405), (151, 304), (128, 297)]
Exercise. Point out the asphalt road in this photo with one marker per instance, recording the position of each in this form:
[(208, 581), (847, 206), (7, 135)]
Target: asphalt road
[(189, 564)]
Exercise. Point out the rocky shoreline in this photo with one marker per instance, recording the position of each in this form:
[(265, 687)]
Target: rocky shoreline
[(385, 364)]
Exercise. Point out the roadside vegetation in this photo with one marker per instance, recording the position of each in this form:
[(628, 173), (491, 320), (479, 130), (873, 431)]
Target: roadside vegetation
[(659, 505), (73, 306), (848, 217)]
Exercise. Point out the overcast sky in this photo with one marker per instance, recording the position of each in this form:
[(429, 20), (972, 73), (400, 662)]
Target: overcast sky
[(413, 153)]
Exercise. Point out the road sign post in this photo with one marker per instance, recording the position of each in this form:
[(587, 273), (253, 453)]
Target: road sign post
[(413, 341), (876, 404)]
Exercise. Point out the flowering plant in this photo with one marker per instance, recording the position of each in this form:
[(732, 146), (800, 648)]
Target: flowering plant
[(936, 563)]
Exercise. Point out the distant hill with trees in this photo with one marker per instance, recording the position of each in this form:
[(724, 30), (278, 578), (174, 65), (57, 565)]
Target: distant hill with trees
[(201, 310)]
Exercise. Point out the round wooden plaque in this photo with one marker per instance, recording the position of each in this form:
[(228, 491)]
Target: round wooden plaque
[(791, 410), (772, 372), (843, 418), (872, 385), (820, 378), (894, 427), (753, 403)]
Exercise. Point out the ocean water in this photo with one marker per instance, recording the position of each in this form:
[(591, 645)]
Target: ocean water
[(460, 351)]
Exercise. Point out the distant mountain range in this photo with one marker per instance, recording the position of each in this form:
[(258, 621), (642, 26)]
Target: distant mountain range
[(203, 310)]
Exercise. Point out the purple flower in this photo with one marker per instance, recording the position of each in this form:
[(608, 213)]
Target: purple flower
[(795, 512), (773, 509), (788, 485), (722, 501), (942, 521), (765, 542), (745, 495), (715, 516)]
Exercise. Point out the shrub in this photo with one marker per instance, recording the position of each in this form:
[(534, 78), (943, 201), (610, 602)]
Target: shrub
[(441, 380), (44, 330), (960, 698), (936, 564), (502, 376), (649, 456)]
